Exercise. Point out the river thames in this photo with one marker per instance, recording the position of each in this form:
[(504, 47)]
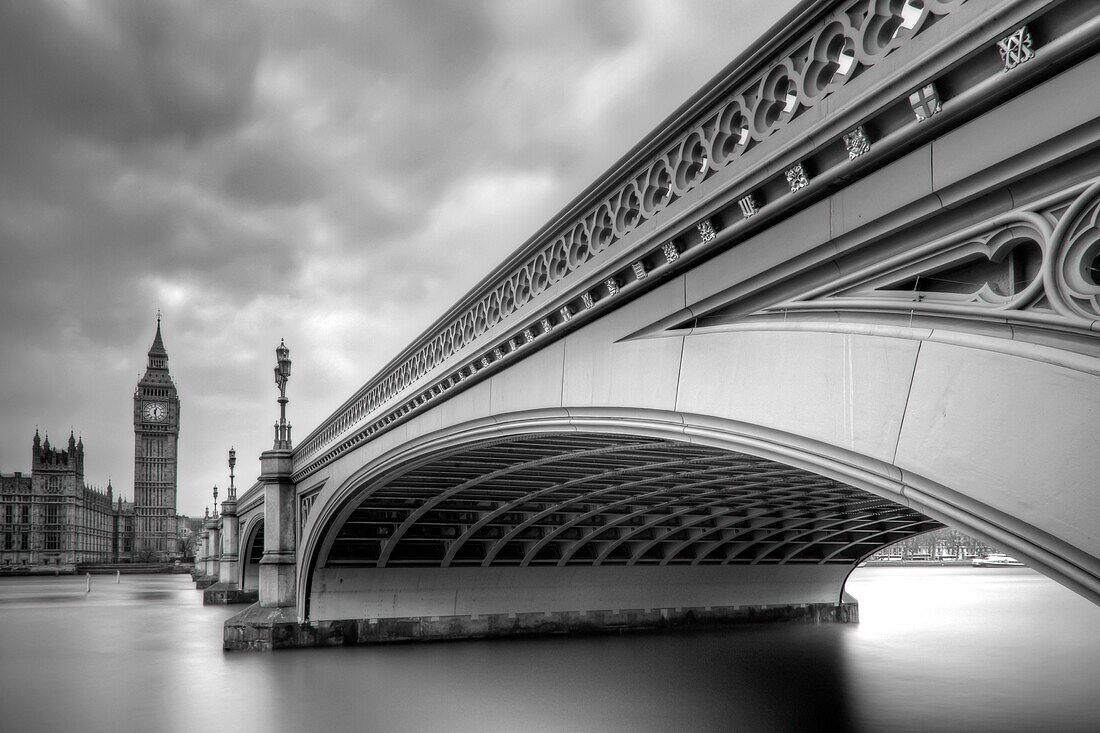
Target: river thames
[(938, 649)]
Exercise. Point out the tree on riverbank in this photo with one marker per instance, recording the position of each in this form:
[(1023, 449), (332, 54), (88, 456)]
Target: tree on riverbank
[(946, 542)]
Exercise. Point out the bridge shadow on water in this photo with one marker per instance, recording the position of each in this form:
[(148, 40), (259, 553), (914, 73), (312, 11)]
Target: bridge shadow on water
[(789, 677)]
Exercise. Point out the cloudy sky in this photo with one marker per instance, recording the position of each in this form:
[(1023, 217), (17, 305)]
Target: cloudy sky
[(334, 173)]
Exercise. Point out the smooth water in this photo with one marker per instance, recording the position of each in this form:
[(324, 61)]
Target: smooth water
[(938, 649)]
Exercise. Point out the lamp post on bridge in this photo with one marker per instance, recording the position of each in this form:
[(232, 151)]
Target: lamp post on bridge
[(202, 553), (213, 556), (229, 571), (278, 576), (232, 463), (282, 376)]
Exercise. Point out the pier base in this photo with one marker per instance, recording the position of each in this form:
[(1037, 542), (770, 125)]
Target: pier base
[(228, 594), (266, 629), (205, 581)]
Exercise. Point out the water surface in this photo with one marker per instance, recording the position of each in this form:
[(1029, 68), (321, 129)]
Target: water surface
[(938, 649)]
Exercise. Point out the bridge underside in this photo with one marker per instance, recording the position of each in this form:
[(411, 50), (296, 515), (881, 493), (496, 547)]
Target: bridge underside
[(597, 500), (567, 532)]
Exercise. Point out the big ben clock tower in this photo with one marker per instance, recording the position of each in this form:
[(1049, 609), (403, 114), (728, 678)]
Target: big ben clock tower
[(156, 433)]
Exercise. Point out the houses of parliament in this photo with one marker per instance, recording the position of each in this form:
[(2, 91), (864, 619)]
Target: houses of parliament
[(52, 517)]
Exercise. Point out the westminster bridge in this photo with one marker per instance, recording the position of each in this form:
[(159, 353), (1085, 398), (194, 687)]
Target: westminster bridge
[(847, 293)]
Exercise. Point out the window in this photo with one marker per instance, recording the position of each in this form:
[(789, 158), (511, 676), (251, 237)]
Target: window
[(51, 514), (25, 514), (8, 514), (7, 541), (52, 542)]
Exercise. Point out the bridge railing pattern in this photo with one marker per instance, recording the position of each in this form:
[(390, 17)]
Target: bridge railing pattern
[(847, 38)]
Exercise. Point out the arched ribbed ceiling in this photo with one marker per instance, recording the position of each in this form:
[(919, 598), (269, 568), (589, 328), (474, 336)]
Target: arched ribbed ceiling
[(588, 499)]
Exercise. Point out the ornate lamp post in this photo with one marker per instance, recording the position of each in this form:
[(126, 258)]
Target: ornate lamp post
[(282, 374), (232, 463), (215, 501), (229, 554), (278, 568)]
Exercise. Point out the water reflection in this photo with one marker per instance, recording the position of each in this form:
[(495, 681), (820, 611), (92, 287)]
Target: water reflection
[(935, 651)]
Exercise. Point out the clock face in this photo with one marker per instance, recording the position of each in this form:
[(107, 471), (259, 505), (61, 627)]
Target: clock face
[(155, 411)]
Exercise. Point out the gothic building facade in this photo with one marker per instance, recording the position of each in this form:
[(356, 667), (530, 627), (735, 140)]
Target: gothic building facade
[(52, 517)]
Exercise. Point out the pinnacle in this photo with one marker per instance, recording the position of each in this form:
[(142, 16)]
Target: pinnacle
[(157, 349)]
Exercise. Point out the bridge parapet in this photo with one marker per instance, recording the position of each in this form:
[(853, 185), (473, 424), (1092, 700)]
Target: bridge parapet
[(792, 119)]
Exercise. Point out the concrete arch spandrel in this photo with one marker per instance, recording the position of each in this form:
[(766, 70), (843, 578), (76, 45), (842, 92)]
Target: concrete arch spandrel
[(844, 389), (1014, 433)]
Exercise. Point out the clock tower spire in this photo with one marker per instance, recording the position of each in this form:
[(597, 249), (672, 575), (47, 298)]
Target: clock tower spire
[(158, 356), (156, 434)]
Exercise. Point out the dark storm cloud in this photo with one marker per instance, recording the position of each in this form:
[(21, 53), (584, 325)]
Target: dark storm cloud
[(88, 89), (262, 172), (128, 70)]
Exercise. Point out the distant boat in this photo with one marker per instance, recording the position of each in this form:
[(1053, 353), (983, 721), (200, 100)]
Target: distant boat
[(996, 560)]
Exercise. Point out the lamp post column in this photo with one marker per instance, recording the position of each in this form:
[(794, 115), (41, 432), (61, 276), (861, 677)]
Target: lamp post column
[(230, 565), (278, 581), (213, 527), (202, 562)]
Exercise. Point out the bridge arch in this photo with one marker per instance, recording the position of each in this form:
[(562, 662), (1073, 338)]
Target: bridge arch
[(797, 502), (251, 550)]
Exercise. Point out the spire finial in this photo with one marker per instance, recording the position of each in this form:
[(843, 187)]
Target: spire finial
[(158, 316)]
